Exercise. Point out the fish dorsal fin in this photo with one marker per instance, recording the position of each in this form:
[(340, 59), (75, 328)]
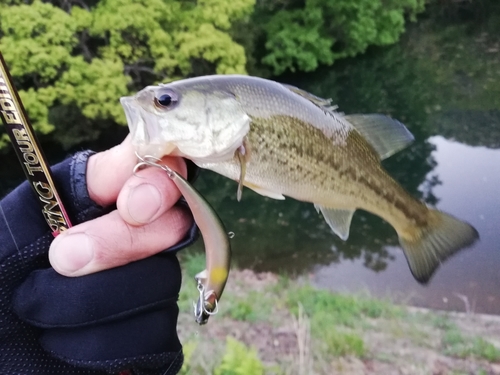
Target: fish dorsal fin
[(386, 135), (320, 102), (338, 220)]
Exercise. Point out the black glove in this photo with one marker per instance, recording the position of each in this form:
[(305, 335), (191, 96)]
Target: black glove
[(119, 320)]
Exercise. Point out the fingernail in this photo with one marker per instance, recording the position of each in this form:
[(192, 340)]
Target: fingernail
[(71, 252), (143, 203)]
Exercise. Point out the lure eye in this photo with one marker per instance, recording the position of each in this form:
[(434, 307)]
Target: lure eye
[(166, 99)]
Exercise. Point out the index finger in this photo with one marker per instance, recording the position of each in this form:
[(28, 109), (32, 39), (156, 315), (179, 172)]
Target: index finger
[(110, 170)]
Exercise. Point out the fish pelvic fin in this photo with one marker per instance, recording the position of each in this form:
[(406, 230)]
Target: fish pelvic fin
[(425, 249), (386, 135), (338, 220), (265, 192)]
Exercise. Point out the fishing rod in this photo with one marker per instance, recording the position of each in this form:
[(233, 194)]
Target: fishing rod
[(30, 153)]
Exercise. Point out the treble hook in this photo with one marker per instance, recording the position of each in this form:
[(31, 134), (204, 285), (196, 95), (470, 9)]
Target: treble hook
[(151, 161), (203, 308)]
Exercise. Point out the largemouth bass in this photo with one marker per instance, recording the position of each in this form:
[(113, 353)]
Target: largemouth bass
[(281, 141)]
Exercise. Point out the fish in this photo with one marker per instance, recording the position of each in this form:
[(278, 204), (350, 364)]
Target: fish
[(280, 140), (212, 280)]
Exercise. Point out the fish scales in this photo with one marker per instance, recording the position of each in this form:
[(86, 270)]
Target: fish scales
[(302, 164), (354, 158), (282, 141)]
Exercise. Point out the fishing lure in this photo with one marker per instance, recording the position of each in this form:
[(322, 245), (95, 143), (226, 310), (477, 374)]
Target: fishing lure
[(212, 280)]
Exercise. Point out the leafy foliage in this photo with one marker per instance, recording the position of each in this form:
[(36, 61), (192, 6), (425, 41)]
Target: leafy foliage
[(72, 60), (188, 350), (239, 360), (300, 37)]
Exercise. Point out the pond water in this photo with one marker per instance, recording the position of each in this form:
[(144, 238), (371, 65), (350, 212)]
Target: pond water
[(470, 181), (448, 94), (290, 237)]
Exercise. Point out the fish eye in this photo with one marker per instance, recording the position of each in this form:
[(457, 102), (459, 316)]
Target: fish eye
[(166, 99)]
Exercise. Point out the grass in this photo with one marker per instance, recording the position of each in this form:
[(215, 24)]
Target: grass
[(346, 310), (239, 360), (297, 329), (457, 345), (253, 307), (192, 264), (342, 344)]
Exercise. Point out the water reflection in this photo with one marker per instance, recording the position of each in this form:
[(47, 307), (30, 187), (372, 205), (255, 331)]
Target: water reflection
[(426, 93), (289, 236), (470, 181), (442, 94)]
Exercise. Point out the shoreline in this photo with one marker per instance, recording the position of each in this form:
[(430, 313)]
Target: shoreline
[(458, 314), (290, 327)]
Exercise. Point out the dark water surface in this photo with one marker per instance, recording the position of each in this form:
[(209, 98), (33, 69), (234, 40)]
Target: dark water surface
[(290, 237), (470, 181), (444, 84)]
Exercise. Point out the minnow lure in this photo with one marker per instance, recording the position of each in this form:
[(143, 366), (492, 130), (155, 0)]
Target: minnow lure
[(212, 280)]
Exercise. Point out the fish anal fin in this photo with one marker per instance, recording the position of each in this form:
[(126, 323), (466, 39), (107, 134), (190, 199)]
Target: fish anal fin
[(426, 248), (338, 220), (265, 192), (386, 135)]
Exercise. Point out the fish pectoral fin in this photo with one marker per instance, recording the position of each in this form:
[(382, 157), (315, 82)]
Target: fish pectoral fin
[(241, 153), (338, 220), (386, 135), (265, 192)]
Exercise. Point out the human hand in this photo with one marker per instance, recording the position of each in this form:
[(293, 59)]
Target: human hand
[(137, 229), (122, 317)]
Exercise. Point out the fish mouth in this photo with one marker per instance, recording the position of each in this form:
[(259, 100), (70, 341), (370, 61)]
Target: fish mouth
[(144, 129), (133, 116)]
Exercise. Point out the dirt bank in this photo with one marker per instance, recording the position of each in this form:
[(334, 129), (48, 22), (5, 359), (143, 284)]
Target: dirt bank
[(314, 336)]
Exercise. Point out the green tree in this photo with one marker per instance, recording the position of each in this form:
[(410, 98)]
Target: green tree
[(300, 35), (73, 59)]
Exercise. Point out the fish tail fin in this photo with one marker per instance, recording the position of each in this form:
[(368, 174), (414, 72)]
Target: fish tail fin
[(426, 248)]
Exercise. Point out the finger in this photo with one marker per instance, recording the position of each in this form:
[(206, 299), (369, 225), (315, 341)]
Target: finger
[(150, 193), (109, 241), (109, 170)]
